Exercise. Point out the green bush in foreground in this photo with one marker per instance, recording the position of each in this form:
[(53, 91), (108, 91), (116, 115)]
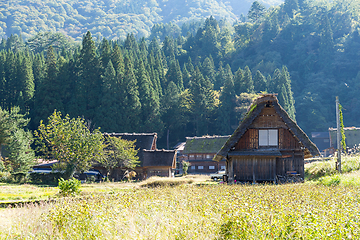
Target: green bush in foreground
[(294, 211), (69, 187)]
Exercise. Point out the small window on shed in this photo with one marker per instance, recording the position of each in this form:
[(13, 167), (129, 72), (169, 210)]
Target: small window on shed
[(268, 137)]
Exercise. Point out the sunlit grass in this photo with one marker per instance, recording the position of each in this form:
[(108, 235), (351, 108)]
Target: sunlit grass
[(189, 211), (25, 192), (318, 169)]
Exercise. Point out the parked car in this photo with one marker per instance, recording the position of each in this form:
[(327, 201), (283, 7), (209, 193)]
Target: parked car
[(92, 174), (218, 175), (87, 175)]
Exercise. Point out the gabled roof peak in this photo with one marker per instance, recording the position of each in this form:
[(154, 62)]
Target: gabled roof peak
[(258, 105)]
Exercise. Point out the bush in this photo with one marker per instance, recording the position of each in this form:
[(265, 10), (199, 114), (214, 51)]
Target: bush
[(5, 177), (69, 187), (45, 178)]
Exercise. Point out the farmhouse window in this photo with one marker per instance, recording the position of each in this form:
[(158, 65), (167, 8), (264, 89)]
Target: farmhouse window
[(192, 167), (208, 156), (199, 156), (211, 167), (268, 137), (200, 167)]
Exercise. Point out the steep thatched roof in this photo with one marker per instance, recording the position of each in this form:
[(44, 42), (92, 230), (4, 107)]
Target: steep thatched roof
[(255, 109), (159, 158), (206, 144), (143, 140)]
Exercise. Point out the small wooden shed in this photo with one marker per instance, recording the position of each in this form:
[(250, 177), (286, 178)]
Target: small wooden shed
[(267, 145)]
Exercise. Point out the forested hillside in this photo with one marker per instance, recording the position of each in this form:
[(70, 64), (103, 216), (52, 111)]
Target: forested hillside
[(198, 83), (112, 19)]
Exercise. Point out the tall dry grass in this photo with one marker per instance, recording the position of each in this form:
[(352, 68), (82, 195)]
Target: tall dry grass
[(296, 211)]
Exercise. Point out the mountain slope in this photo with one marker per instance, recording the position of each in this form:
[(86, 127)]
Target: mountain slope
[(109, 18)]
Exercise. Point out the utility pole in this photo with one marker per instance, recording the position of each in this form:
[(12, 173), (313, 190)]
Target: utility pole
[(338, 163)]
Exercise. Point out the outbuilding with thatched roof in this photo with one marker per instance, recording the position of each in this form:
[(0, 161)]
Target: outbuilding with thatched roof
[(267, 145), (153, 161), (200, 151)]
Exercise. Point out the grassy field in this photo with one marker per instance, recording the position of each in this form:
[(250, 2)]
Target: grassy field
[(191, 207), (294, 211)]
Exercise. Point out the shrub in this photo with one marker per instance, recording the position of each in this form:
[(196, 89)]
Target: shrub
[(5, 177), (69, 187), (164, 182), (45, 178)]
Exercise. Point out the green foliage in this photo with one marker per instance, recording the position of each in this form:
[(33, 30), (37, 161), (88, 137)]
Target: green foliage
[(185, 166), (119, 153), (316, 170), (18, 153), (69, 187), (45, 178), (256, 11), (315, 40), (69, 141)]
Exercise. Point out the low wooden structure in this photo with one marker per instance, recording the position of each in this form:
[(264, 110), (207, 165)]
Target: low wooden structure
[(267, 145), (153, 161)]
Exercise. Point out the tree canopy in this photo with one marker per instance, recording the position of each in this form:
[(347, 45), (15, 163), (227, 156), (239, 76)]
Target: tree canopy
[(70, 141)]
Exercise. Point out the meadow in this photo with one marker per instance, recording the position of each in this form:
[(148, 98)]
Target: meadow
[(193, 211), (193, 207)]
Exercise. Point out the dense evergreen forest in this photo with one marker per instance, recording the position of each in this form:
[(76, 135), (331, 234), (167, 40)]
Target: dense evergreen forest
[(196, 83), (111, 19)]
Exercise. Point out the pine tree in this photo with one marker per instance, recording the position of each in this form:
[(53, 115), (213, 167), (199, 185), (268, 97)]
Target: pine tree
[(286, 98), (105, 53), (186, 77), (47, 96), (238, 79), (202, 102), (131, 102), (149, 115), (10, 80), (274, 84), (109, 108), (247, 83), (174, 74), (169, 48), (208, 69), (226, 116), (117, 60), (90, 78), (3, 99), (159, 67), (259, 82), (173, 115), (26, 80), (219, 80), (290, 6), (256, 11)]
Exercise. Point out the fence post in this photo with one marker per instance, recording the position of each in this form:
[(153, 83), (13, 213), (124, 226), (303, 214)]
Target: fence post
[(338, 163)]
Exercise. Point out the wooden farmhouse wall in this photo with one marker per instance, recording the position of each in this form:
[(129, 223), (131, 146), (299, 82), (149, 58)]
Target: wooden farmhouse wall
[(268, 119), (287, 154)]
